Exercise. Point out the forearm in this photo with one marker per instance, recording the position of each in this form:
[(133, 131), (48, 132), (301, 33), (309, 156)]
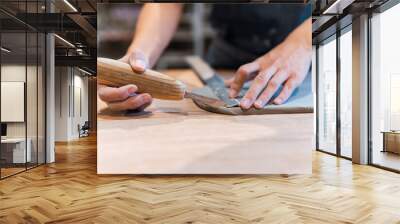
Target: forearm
[(154, 29), (302, 35)]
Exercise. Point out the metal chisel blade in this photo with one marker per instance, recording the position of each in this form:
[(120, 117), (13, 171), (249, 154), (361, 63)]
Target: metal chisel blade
[(217, 85), (204, 99), (197, 96), (211, 79)]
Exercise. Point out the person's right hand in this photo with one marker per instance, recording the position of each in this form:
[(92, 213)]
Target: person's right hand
[(126, 97)]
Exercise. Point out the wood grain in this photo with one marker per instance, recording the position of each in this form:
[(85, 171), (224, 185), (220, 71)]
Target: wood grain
[(70, 191), (116, 73), (180, 138), (206, 144)]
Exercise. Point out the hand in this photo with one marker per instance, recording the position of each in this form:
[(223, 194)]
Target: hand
[(287, 65), (125, 97), (137, 60)]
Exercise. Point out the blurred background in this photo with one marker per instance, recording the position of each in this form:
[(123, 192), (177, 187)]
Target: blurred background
[(116, 25)]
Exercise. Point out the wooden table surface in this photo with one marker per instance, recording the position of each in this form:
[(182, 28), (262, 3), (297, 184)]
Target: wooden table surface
[(177, 137)]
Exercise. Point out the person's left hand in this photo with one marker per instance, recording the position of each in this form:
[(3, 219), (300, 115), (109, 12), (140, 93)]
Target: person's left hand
[(287, 64)]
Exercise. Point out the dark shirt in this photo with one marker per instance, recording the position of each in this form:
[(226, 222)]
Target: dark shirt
[(257, 28)]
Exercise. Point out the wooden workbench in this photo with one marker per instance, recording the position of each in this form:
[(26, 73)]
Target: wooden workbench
[(176, 137)]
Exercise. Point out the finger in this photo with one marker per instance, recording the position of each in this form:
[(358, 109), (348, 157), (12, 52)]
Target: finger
[(287, 91), (111, 94), (243, 74), (273, 85), (138, 62), (259, 83), (228, 82), (139, 101)]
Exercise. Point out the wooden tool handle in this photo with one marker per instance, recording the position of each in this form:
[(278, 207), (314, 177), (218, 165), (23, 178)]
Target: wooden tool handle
[(116, 73)]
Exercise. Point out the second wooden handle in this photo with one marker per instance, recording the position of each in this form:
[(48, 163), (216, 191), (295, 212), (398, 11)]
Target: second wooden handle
[(116, 73)]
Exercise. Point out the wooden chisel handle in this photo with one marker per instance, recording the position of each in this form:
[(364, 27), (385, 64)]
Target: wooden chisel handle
[(116, 73)]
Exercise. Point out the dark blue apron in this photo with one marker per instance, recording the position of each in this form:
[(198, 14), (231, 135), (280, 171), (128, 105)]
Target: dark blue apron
[(247, 31)]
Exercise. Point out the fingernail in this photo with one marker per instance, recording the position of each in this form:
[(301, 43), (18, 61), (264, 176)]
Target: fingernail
[(258, 104), (245, 103), (131, 90), (140, 63), (278, 100)]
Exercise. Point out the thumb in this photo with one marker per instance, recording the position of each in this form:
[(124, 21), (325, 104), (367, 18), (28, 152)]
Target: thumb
[(138, 62), (138, 65)]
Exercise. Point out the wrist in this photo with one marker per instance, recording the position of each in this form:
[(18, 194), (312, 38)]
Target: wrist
[(302, 35)]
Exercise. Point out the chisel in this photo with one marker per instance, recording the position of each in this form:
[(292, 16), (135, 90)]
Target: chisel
[(214, 81), (115, 73)]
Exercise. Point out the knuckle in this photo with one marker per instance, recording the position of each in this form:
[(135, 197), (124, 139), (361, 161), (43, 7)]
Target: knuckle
[(273, 83), (242, 71), (261, 78), (279, 63)]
